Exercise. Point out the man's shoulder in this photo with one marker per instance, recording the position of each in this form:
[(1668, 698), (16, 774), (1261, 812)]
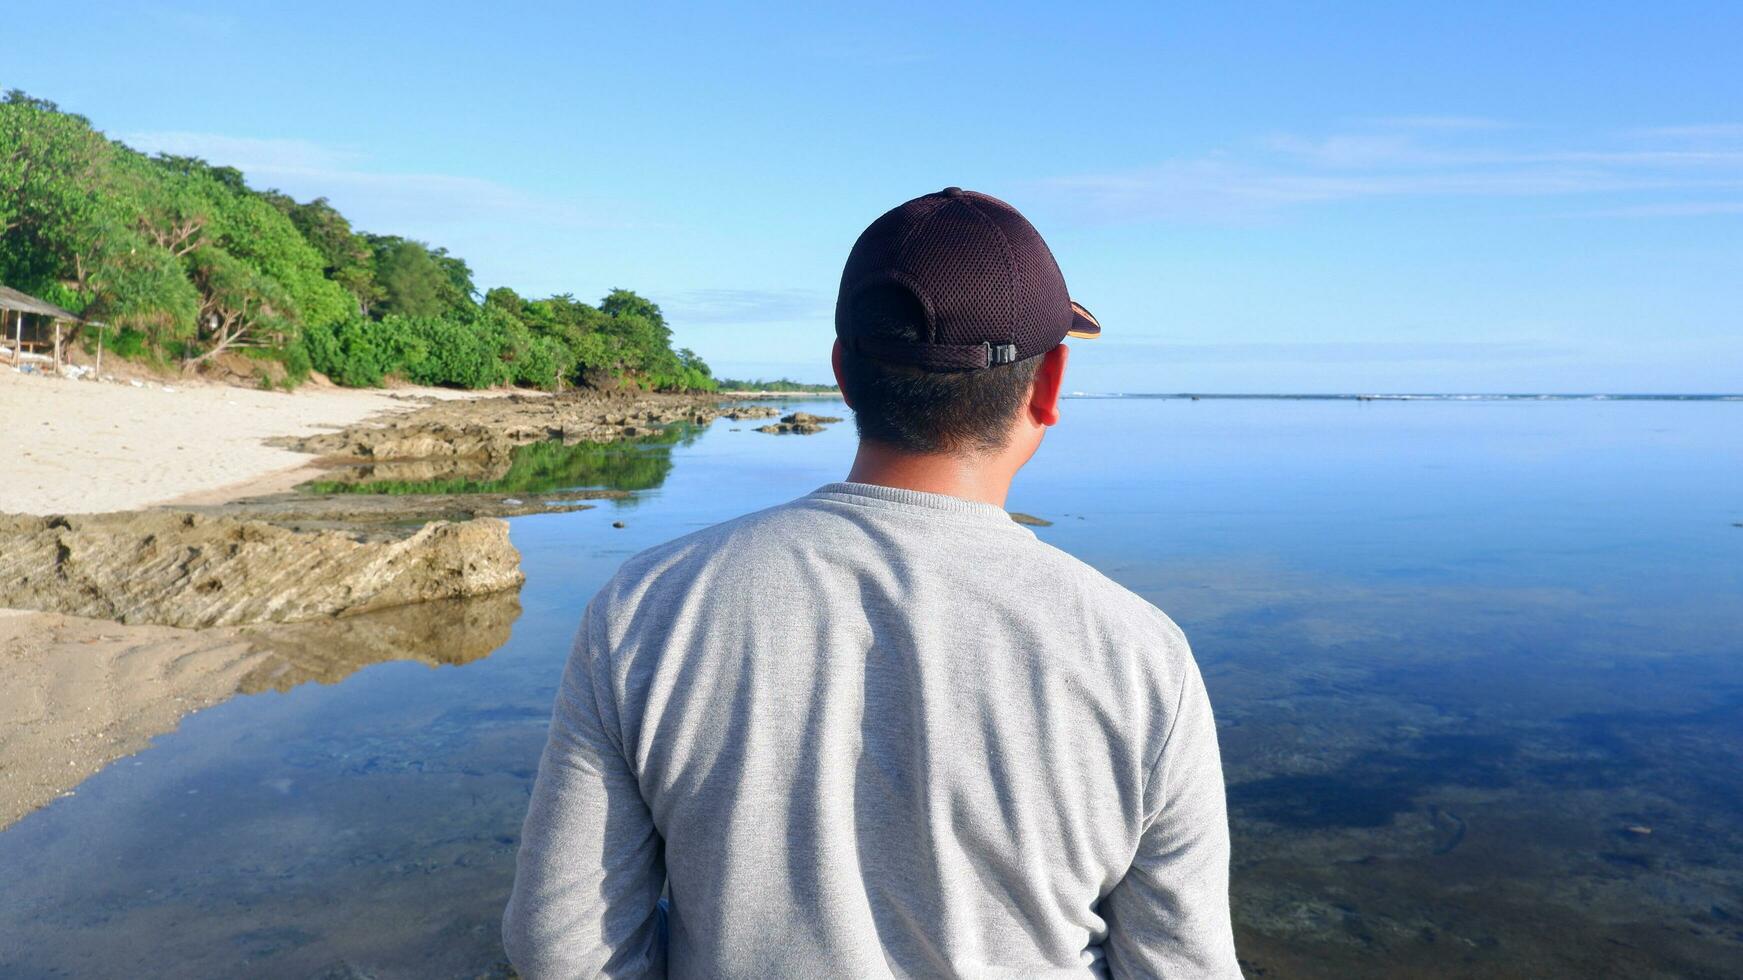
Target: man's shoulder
[(759, 549), (739, 544), (1110, 601)]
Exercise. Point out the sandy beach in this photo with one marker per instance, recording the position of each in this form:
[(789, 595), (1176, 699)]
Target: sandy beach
[(77, 693), (78, 447)]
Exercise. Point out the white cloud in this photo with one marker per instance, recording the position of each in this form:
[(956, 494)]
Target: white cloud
[(1705, 131), (1289, 170), (1439, 122), (748, 305), (247, 154), (1678, 209), (421, 204), (1336, 352)]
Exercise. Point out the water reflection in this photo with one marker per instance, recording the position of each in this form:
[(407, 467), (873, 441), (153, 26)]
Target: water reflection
[(1476, 670), (446, 632), (642, 463), (110, 688)]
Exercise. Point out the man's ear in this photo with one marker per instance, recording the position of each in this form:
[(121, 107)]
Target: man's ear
[(835, 364), (1049, 383)]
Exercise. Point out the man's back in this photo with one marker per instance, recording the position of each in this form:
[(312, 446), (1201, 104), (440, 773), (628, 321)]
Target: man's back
[(875, 732)]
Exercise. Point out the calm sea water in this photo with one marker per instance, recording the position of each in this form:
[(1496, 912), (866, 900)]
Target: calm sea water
[(1477, 667)]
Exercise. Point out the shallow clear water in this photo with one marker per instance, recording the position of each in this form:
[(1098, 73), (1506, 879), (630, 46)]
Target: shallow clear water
[(1478, 670)]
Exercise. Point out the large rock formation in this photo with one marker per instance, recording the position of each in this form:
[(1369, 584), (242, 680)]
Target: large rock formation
[(194, 570), (799, 423), (744, 412), (487, 428)]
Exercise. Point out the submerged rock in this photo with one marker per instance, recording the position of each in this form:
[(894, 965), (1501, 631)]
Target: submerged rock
[(195, 570), (799, 423), (743, 412)]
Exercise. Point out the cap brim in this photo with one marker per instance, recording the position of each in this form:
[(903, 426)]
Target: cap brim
[(1084, 325)]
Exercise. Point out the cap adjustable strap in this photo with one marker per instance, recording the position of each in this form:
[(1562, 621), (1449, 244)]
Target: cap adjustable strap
[(937, 357)]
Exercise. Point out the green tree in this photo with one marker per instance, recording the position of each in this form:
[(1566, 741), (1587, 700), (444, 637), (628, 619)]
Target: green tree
[(128, 283), (239, 306), (69, 225), (506, 300), (418, 281), (189, 260), (347, 256)]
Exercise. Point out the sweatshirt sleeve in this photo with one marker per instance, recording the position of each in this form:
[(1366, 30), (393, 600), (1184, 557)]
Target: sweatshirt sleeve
[(1169, 915), (591, 864)]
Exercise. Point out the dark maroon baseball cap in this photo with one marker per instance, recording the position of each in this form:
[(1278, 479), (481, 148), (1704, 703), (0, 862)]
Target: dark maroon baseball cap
[(990, 289)]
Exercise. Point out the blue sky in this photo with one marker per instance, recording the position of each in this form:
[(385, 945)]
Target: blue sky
[(1252, 197)]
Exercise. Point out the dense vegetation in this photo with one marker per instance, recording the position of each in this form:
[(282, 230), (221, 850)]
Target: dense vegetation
[(189, 263)]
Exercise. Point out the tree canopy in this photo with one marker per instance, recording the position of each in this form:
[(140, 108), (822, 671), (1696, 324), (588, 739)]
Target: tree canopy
[(190, 262)]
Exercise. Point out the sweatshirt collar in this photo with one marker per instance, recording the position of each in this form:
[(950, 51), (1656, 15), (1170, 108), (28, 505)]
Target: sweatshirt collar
[(898, 498)]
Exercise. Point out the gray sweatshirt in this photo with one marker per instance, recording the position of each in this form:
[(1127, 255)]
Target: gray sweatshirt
[(874, 733)]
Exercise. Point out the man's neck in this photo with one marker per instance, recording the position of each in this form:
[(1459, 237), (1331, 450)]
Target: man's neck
[(986, 479)]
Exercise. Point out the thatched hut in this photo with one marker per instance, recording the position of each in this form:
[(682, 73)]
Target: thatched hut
[(26, 335)]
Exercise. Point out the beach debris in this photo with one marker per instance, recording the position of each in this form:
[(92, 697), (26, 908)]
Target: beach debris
[(1030, 519)]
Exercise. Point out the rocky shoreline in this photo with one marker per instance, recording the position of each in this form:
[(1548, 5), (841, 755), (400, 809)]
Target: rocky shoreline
[(298, 556), (140, 617), (494, 428), (197, 570), (799, 423)]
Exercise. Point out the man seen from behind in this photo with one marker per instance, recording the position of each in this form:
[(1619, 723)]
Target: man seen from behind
[(883, 730)]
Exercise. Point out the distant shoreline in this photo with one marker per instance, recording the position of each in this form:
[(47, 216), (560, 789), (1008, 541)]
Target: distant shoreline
[(1355, 397), (800, 395)]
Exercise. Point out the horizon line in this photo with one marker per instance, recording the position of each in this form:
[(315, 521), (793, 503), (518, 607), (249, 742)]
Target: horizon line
[(1426, 395)]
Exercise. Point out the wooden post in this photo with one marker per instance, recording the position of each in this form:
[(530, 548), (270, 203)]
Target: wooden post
[(57, 348), (17, 338), (101, 329)]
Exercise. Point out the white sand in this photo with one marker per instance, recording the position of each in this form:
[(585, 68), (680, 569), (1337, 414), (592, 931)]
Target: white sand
[(70, 447), (77, 694)]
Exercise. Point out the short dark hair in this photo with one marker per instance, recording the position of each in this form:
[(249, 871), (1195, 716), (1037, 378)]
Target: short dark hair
[(920, 411)]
